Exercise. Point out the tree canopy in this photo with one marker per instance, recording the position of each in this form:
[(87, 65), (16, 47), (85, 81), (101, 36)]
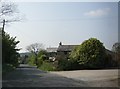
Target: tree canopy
[(116, 47), (8, 12), (90, 54), (9, 49), (34, 49)]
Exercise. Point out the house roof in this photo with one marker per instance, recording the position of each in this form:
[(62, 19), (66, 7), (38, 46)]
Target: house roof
[(71, 47), (51, 49), (66, 47), (109, 52)]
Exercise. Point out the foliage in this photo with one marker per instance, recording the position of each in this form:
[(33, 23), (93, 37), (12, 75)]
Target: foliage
[(67, 64), (62, 64), (42, 52), (9, 50), (90, 54), (47, 66), (116, 48), (40, 61), (110, 62), (31, 59), (34, 49), (43, 63), (41, 56), (7, 68)]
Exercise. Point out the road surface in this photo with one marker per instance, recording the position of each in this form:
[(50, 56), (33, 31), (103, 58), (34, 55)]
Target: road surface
[(29, 76)]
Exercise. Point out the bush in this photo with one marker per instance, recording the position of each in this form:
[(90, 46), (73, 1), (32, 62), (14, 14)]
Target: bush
[(63, 64), (31, 60), (116, 47), (40, 61), (67, 64), (47, 66), (90, 54), (110, 62), (7, 68), (9, 50)]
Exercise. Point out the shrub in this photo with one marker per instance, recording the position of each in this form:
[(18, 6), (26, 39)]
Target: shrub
[(90, 54), (63, 64), (10, 53), (40, 61), (7, 68), (47, 66), (31, 60)]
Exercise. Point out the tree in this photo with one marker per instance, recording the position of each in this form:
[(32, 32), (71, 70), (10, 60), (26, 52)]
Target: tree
[(90, 54), (9, 51), (42, 56), (116, 47), (8, 13), (34, 49)]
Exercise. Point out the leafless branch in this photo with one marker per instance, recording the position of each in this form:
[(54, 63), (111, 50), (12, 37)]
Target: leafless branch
[(9, 13), (34, 48)]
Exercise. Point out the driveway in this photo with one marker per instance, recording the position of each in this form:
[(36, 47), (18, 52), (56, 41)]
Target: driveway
[(29, 76), (93, 78)]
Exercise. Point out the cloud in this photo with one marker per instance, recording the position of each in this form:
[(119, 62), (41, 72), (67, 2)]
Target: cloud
[(98, 13)]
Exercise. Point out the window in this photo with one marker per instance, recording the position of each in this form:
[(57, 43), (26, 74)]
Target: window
[(65, 53)]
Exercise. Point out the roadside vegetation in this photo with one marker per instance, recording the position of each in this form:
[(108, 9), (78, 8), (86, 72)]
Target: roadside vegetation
[(10, 55), (7, 68), (10, 61), (42, 61), (91, 54)]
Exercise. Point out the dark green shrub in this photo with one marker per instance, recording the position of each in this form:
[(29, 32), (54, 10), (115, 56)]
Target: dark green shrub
[(10, 53), (40, 61), (63, 64), (31, 60), (47, 66), (90, 54)]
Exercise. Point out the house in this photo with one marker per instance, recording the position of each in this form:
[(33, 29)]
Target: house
[(51, 53), (64, 50)]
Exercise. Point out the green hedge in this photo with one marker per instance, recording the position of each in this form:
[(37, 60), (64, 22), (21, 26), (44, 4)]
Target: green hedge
[(7, 68), (47, 66)]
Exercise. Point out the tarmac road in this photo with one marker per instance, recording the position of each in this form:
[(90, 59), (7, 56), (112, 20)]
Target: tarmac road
[(29, 76)]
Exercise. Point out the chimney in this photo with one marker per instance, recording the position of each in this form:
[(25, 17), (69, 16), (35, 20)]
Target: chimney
[(60, 43)]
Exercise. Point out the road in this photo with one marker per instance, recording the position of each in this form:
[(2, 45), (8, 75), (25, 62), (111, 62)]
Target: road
[(29, 76)]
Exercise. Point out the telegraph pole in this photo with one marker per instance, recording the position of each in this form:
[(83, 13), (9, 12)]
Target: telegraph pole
[(3, 25)]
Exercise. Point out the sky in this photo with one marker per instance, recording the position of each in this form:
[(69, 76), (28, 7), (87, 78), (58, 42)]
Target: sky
[(68, 22)]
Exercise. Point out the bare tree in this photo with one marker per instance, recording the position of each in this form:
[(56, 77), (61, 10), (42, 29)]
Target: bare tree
[(8, 13), (116, 47), (35, 48)]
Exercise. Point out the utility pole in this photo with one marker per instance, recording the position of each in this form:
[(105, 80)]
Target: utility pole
[(3, 25)]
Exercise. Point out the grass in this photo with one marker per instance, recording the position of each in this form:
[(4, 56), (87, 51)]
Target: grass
[(7, 68)]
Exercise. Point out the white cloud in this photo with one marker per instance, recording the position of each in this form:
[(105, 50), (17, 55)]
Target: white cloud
[(98, 13)]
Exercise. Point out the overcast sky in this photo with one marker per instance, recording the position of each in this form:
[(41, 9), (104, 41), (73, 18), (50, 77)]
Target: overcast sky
[(68, 22)]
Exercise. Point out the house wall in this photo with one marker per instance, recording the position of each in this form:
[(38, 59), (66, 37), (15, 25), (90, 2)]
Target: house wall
[(63, 55), (52, 55)]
